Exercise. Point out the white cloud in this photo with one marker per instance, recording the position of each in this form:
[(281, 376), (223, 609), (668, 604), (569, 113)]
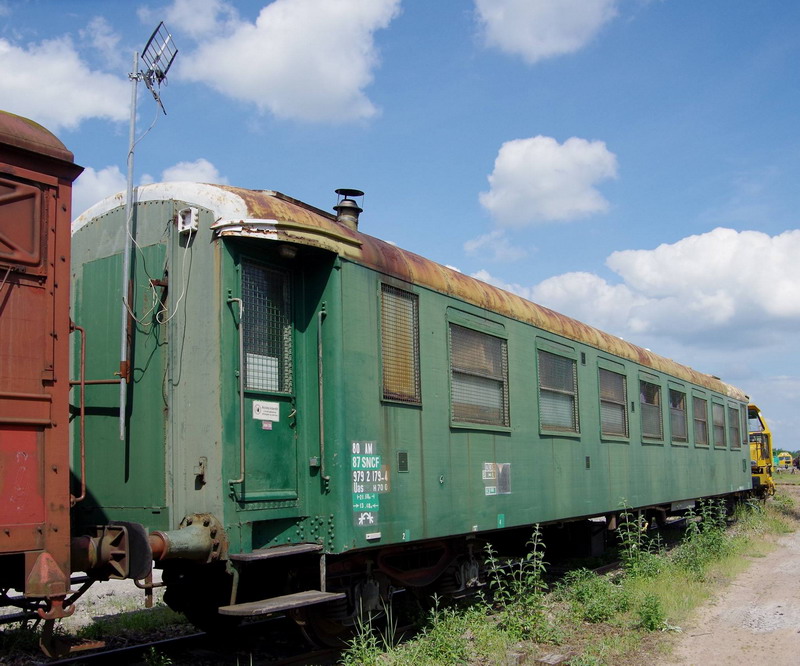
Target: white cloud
[(95, 185), (539, 180), (540, 29), (718, 278), (49, 83), (199, 171), (195, 18), (100, 35), (518, 289), (589, 298), (303, 59), (92, 186), (718, 288), (494, 246)]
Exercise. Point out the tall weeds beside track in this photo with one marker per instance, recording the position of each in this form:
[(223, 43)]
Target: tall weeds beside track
[(621, 618)]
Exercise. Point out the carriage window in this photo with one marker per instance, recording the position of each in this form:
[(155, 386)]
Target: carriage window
[(479, 377), (650, 400), (400, 345), (733, 428), (677, 416), (700, 409), (558, 393), (718, 414), (613, 403), (743, 425), (267, 328)]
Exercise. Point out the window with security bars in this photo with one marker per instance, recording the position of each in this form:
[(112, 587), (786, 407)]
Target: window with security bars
[(478, 377), (613, 401), (734, 434), (558, 393), (650, 401), (718, 414), (700, 410), (267, 328), (678, 423), (400, 345)]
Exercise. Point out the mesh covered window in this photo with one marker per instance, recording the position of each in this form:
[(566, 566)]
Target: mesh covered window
[(267, 328), (700, 409), (650, 400), (718, 414), (613, 401), (400, 344), (479, 377), (558, 393), (678, 423), (734, 434)]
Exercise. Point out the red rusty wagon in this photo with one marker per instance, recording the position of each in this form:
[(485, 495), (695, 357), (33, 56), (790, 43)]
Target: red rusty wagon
[(36, 176)]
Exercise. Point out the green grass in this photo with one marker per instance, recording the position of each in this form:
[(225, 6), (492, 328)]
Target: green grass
[(156, 619), (627, 617), (21, 644), (786, 478)]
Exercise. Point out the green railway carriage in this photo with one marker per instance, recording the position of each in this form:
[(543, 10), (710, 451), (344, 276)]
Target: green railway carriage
[(305, 398)]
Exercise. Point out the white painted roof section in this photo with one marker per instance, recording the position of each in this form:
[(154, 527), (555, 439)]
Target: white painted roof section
[(225, 204)]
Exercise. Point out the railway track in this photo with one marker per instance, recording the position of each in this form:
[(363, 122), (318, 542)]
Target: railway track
[(273, 642)]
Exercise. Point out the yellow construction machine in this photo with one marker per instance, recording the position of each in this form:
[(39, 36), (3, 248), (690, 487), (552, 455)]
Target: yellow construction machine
[(760, 452)]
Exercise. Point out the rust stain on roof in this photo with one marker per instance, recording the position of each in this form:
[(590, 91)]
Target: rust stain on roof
[(27, 135), (297, 222)]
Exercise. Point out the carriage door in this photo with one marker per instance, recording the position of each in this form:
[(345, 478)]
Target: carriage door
[(270, 427)]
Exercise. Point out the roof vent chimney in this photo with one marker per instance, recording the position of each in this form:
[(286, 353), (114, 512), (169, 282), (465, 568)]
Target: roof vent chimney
[(347, 210)]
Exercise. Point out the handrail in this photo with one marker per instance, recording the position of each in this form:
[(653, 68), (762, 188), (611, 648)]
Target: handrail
[(320, 316), (82, 383), (241, 390)]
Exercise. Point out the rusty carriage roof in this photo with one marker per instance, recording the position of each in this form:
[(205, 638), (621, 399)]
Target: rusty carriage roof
[(271, 215), (25, 134)]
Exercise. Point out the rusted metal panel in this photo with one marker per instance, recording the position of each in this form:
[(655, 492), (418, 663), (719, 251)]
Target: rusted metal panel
[(20, 231), (291, 221), (21, 491), (36, 174), (270, 215)]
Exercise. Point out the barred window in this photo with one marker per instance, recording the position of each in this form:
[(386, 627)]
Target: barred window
[(613, 403), (700, 409), (267, 328), (734, 434), (718, 414), (479, 377), (558, 393), (650, 399), (678, 424), (400, 345)]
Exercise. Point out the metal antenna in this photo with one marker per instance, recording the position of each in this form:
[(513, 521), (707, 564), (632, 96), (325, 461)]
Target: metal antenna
[(158, 55)]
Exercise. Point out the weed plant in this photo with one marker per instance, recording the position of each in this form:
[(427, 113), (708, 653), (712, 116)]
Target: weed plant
[(137, 622), (600, 619), (517, 593), (651, 613), (592, 597), (705, 539), (640, 555)]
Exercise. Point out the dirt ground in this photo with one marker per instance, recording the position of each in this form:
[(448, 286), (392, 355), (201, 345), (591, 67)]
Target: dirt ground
[(750, 622)]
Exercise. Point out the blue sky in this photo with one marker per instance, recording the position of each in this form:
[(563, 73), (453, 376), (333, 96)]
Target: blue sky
[(631, 163)]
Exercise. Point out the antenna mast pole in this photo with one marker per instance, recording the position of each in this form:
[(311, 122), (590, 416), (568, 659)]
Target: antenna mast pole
[(158, 55), (124, 354)]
